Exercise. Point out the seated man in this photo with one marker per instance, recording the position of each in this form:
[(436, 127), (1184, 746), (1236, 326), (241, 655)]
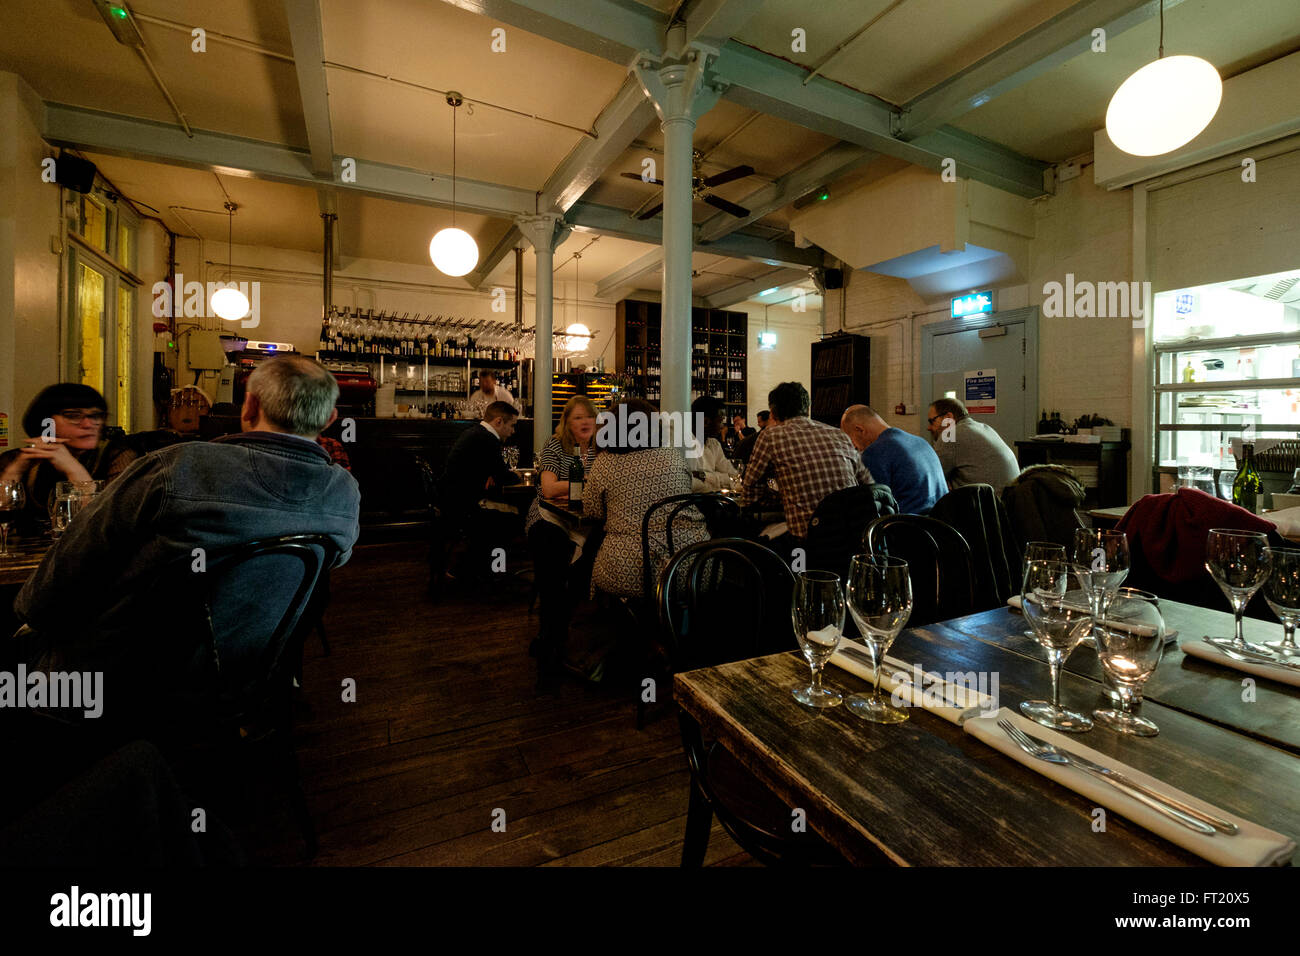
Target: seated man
[(904, 462), (971, 452), (808, 459), (711, 471), (475, 469), (100, 599), (746, 446)]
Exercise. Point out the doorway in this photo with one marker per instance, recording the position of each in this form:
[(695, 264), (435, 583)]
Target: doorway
[(991, 364)]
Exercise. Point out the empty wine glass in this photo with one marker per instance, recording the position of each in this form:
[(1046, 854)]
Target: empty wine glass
[(880, 600), (1282, 593), (1059, 625), (1130, 640), (13, 496), (1041, 551), (1239, 562), (818, 613), (1101, 560)]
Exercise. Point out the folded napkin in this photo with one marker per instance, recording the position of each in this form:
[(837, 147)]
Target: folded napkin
[(1014, 601), (909, 686), (1207, 652), (775, 530), (1252, 845)]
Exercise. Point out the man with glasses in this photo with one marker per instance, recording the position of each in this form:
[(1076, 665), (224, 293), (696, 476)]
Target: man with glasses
[(971, 452)]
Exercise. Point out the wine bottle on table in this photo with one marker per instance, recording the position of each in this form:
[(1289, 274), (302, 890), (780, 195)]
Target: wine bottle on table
[(576, 481), (1247, 486)]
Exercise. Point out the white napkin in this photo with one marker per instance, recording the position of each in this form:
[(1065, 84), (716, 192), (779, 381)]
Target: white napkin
[(953, 702), (1252, 845), (1206, 652), (774, 531), (1014, 601)]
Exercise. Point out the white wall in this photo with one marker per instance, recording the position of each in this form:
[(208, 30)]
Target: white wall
[(790, 361), (29, 266)]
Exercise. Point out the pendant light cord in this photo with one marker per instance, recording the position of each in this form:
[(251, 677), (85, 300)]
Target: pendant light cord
[(453, 140), (1162, 30)]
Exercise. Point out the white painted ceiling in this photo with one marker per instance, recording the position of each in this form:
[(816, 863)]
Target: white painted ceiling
[(388, 64)]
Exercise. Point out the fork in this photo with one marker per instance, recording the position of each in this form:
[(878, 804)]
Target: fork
[(1053, 756)]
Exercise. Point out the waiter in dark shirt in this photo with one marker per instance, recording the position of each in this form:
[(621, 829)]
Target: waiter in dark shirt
[(475, 469)]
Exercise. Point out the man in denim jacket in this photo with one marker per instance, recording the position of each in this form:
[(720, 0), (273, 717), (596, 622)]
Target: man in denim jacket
[(98, 601)]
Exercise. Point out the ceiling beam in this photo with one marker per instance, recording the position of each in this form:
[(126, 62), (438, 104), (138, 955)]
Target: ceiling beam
[(714, 22), (619, 123), (628, 275), (609, 221), (819, 171), (616, 29), (145, 139), (1030, 55), (305, 33), (774, 86), (512, 238), (747, 290)]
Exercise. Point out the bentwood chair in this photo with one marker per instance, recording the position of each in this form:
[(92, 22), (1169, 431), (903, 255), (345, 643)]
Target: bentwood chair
[(938, 563), (978, 513), (836, 528), (722, 601), (232, 684)]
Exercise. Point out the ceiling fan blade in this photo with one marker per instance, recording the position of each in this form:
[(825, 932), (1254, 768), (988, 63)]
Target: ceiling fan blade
[(657, 182), (729, 175), (740, 212), (652, 211)]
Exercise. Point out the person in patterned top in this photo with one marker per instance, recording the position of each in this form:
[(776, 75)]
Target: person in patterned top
[(624, 482), (808, 459), (560, 581)]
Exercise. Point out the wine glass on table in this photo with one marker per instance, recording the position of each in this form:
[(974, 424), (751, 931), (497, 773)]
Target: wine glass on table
[(1282, 592), (12, 498), (880, 600), (1059, 625), (1130, 640), (1240, 563), (1041, 551), (818, 613), (1101, 561)]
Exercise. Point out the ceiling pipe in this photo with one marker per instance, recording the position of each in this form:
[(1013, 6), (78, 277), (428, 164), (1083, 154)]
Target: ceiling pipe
[(519, 287), (327, 290)]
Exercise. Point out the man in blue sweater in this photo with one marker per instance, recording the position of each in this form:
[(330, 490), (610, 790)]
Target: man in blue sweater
[(903, 461)]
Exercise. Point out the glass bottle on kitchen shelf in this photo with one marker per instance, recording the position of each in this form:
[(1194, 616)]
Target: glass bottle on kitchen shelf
[(1189, 373), (1247, 486)]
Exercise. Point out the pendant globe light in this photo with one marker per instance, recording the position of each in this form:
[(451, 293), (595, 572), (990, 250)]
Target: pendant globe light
[(230, 304), (577, 335), (1165, 104), (453, 251)]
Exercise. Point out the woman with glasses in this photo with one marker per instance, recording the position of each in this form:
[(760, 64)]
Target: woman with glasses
[(65, 426)]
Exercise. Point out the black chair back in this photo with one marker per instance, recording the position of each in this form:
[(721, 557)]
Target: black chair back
[(245, 610), (1043, 504), (977, 512), (720, 514), (725, 600), (939, 564), (836, 528)]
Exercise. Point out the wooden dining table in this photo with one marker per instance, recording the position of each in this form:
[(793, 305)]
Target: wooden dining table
[(924, 792), (28, 551)]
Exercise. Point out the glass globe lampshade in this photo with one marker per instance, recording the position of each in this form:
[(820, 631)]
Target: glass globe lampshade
[(576, 337), (229, 304), (453, 251), (1164, 105)]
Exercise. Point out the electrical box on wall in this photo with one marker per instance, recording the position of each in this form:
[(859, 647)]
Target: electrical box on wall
[(204, 350)]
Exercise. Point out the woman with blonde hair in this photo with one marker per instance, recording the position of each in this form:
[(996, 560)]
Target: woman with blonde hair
[(561, 581)]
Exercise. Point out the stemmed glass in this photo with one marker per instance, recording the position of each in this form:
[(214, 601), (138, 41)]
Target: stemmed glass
[(12, 498), (1130, 640), (1282, 592), (818, 613), (1059, 624), (880, 600), (1041, 551), (1239, 562), (1101, 560)]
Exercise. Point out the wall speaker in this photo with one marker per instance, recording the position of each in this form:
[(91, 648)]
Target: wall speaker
[(834, 278), (73, 172)]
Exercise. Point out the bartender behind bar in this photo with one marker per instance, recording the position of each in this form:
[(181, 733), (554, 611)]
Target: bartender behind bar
[(489, 391)]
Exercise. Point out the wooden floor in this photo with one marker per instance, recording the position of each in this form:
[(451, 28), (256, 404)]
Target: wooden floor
[(447, 734)]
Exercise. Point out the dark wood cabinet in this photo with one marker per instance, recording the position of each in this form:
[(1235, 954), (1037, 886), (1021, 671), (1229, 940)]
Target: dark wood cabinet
[(1101, 468), (719, 347), (841, 375)]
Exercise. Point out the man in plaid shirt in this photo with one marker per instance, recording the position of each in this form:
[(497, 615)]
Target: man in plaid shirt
[(809, 460)]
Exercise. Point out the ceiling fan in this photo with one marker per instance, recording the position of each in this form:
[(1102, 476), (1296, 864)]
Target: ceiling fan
[(700, 183)]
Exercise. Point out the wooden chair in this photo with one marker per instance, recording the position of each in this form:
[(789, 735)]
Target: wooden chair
[(836, 528), (721, 601), (938, 562), (981, 518)]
